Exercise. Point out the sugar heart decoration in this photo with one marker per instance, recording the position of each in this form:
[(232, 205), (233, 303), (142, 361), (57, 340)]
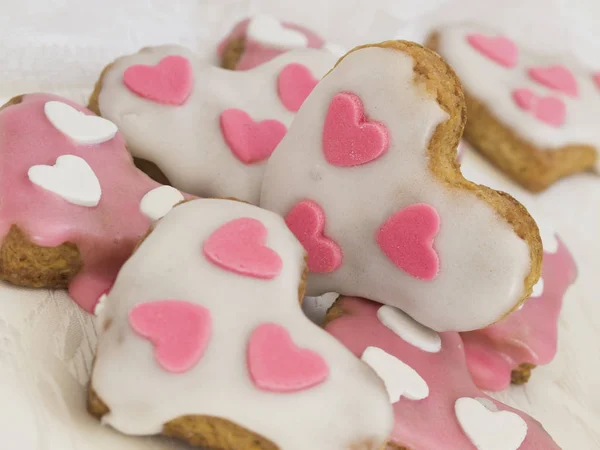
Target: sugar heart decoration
[(409, 329), (307, 221), (555, 77), (80, 127), (179, 330), (267, 30), (406, 238), (70, 178), (169, 82), (538, 289), (276, 364), (294, 84), (399, 378), (251, 142), (349, 138), (238, 246), (499, 49), (159, 201), (550, 110), (490, 430)]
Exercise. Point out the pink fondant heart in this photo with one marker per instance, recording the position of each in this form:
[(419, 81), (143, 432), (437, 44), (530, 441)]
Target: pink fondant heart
[(349, 139), (169, 82), (276, 364), (294, 84), (250, 141), (555, 77), (406, 238), (499, 49), (524, 98), (307, 222), (238, 246), (550, 110), (179, 330)]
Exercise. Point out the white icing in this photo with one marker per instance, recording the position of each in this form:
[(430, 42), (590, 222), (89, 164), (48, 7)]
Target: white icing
[(82, 128), (335, 49), (492, 84), (316, 308), (538, 289), (268, 31), (400, 379), (490, 430), (482, 261), (170, 265), (186, 142), (100, 305), (410, 330), (71, 178), (159, 201)]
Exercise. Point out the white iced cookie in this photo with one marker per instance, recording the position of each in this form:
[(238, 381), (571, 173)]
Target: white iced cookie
[(209, 130), (205, 318), (367, 179)]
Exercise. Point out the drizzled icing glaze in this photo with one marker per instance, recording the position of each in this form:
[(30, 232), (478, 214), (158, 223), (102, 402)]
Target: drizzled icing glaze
[(472, 288), (187, 142), (106, 233), (431, 423), (221, 384)]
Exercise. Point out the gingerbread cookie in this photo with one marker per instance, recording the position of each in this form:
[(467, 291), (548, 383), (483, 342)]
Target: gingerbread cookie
[(73, 204), (205, 318), (532, 115), (205, 130), (436, 404), (367, 179)]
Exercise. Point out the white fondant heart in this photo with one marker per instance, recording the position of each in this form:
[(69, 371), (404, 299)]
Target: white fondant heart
[(490, 430), (159, 201), (80, 127), (100, 305), (267, 30), (538, 289), (399, 378), (409, 329), (71, 178)]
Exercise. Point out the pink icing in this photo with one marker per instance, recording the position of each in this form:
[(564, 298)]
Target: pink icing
[(256, 53), (250, 141), (294, 84), (555, 77), (276, 364), (349, 138), (528, 335), (105, 234), (179, 330), (407, 237), (307, 221), (550, 110), (169, 82), (238, 246), (429, 423), (499, 49)]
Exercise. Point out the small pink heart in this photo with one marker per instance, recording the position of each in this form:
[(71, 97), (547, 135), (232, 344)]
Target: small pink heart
[(499, 49), (250, 141), (407, 237), (596, 78), (238, 246), (550, 110), (294, 84), (169, 82), (524, 98), (555, 77), (276, 364), (179, 330), (307, 221), (349, 139)]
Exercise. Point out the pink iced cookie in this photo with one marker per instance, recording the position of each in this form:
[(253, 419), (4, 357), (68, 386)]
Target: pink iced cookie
[(436, 404), (64, 178), (203, 339)]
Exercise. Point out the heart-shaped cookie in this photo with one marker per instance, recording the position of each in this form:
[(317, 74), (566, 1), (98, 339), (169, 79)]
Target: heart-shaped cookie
[(269, 31), (70, 178), (409, 329), (294, 84), (556, 77), (82, 128), (499, 48)]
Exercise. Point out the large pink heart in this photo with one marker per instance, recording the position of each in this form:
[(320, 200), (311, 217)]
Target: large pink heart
[(276, 364), (294, 84), (250, 141), (238, 246), (307, 221), (499, 49), (349, 139), (550, 110), (555, 77), (169, 82), (179, 330), (407, 237)]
